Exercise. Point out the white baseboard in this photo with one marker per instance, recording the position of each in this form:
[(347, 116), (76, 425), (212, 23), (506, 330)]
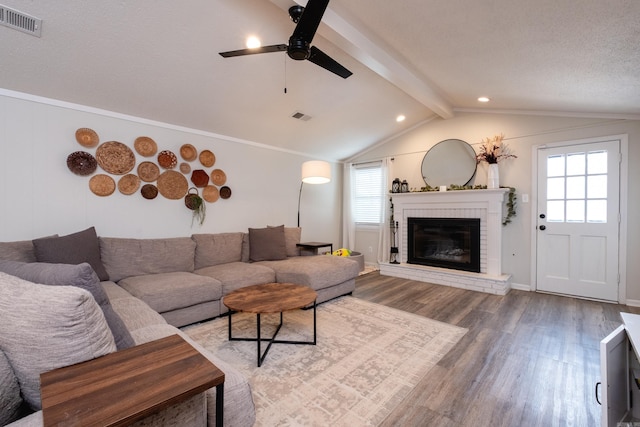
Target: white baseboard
[(633, 303), (521, 287)]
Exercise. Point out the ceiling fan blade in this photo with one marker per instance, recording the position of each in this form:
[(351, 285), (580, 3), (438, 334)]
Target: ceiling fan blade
[(256, 50), (310, 20), (320, 58)]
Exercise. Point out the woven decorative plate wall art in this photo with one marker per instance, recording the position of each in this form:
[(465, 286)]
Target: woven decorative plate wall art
[(87, 137), (210, 193), (145, 146), (82, 163), (167, 159), (218, 177), (115, 157), (172, 185), (207, 158), (185, 168), (149, 191), (200, 178), (188, 152), (148, 171), (129, 184), (225, 192), (102, 185)]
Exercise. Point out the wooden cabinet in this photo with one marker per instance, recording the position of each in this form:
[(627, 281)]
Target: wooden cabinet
[(619, 370)]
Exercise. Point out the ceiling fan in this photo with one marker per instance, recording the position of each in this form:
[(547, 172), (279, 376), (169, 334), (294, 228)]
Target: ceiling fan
[(307, 20)]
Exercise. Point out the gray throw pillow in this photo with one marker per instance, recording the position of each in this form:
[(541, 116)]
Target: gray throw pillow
[(291, 239), (81, 276), (72, 249), (267, 244), (47, 327)]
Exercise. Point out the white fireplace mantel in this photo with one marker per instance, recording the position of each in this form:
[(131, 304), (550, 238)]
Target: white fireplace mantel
[(487, 205)]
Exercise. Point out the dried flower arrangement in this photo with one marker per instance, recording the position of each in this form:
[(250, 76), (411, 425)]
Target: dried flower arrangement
[(493, 150)]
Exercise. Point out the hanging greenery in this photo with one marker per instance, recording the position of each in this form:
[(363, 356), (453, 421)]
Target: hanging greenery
[(511, 206), (194, 202)]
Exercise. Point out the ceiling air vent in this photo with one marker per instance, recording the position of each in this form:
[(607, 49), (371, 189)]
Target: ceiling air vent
[(20, 21), (301, 116)]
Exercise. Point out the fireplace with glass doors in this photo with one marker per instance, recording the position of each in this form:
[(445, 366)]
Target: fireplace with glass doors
[(444, 242)]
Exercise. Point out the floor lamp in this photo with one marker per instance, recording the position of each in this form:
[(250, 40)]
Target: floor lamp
[(314, 172)]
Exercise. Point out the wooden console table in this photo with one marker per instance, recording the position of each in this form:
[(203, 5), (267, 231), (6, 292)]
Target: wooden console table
[(126, 386)]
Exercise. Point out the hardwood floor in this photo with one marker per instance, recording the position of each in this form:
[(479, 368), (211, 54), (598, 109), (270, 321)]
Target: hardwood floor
[(528, 359)]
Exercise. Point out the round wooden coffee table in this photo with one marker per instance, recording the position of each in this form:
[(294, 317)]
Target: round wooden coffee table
[(270, 298)]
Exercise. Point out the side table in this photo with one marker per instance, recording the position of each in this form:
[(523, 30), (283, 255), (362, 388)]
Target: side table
[(314, 246), (123, 387)]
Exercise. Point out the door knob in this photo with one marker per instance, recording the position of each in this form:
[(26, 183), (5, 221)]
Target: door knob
[(543, 227)]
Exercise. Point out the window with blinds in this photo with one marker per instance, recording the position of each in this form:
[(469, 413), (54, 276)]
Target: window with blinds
[(368, 200)]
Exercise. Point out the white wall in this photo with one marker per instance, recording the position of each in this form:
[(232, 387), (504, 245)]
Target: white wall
[(521, 132), (40, 196)]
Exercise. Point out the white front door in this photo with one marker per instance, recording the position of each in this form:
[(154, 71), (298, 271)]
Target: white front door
[(578, 219)]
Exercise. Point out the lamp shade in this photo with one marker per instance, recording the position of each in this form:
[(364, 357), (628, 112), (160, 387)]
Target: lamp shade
[(316, 172)]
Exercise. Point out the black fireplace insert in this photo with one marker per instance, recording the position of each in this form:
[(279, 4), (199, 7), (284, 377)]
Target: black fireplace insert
[(444, 242)]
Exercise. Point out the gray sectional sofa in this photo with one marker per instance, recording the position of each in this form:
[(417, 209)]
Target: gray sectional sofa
[(156, 286)]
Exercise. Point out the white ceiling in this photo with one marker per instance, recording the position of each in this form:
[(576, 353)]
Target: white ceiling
[(420, 58)]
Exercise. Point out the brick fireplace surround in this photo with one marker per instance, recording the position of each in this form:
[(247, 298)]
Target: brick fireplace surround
[(488, 205)]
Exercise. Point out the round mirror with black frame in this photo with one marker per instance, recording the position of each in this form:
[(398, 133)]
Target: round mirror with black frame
[(449, 162)]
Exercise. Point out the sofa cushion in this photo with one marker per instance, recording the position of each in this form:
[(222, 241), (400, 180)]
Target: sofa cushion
[(137, 257), (74, 248), (245, 248), (10, 399), (214, 249), (18, 251), (134, 312), (170, 291), (47, 327), (81, 276), (291, 239), (235, 275), (266, 244), (317, 272)]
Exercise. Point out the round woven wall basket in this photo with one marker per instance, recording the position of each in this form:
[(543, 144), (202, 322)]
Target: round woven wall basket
[(148, 171), (87, 137), (145, 146), (149, 191), (172, 185), (115, 157), (129, 184), (102, 185), (210, 193)]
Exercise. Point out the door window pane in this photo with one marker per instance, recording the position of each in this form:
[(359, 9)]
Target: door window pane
[(555, 166), (555, 211), (576, 164), (575, 187), (597, 187), (597, 161), (575, 210), (555, 188), (597, 211)]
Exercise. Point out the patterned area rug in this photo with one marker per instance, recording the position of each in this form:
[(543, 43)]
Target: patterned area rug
[(368, 357)]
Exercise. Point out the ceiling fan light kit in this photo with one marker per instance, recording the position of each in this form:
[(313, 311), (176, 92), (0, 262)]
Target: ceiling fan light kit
[(307, 20)]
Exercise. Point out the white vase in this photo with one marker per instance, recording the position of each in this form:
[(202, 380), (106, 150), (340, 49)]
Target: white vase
[(493, 176)]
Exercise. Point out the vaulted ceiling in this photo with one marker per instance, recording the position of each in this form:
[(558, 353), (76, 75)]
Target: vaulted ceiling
[(419, 58)]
